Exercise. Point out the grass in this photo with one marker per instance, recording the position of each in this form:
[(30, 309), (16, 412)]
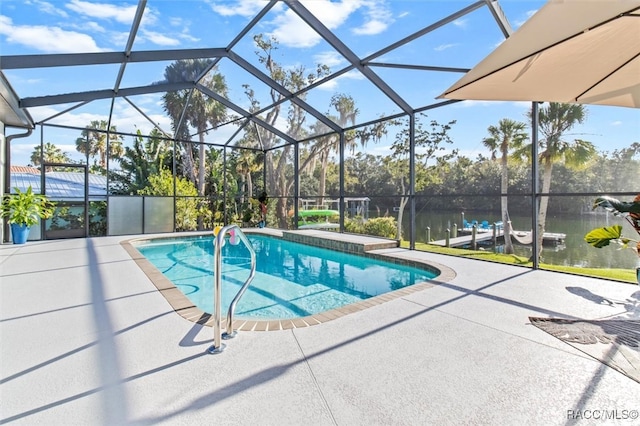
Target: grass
[(623, 275)]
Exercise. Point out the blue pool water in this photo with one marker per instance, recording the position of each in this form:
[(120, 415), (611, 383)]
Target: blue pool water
[(292, 280)]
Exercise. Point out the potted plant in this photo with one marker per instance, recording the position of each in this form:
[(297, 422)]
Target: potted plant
[(602, 237), (22, 210)]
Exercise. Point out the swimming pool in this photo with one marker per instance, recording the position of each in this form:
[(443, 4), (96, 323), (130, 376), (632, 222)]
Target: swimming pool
[(292, 280)]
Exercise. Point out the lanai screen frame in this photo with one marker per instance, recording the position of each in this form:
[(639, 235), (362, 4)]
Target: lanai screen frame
[(364, 65)]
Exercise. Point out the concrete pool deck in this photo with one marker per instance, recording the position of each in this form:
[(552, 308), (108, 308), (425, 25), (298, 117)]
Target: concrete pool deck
[(87, 339)]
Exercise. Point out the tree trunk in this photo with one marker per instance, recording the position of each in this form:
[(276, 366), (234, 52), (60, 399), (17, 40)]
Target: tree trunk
[(324, 160), (544, 203), (201, 166), (187, 162), (403, 202), (243, 183), (281, 213), (504, 188), (201, 180)]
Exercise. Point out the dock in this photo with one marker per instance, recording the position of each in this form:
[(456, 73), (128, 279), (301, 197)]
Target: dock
[(463, 240), (551, 238)]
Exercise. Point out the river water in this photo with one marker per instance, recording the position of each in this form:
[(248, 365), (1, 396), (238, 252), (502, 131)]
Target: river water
[(574, 252)]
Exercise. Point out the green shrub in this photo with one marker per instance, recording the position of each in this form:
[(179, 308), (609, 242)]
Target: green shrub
[(385, 227), (354, 226), (188, 205)]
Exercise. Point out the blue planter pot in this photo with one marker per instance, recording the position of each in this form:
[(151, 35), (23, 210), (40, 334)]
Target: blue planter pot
[(20, 233)]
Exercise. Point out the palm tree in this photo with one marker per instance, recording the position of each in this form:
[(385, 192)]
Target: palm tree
[(94, 142), (49, 154), (204, 111), (195, 109), (174, 103), (247, 163), (554, 121), (507, 135), (345, 106), (200, 112)]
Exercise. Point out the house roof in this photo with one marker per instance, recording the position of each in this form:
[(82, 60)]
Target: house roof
[(25, 169), (59, 185), (11, 114)]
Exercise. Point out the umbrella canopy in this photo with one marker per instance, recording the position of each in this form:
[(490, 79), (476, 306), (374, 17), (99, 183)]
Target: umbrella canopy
[(573, 51)]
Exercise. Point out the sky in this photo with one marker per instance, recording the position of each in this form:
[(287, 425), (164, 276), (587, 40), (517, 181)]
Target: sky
[(364, 26)]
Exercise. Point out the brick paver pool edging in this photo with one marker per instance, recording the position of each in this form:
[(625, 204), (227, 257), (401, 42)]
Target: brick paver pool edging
[(185, 308)]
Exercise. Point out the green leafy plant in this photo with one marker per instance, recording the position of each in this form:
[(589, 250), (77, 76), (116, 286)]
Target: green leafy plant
[(604, 236), (385, 227), (25, 208)]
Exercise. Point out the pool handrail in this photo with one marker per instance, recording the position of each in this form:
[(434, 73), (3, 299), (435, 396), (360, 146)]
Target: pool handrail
[(231, 333), (219, 240)]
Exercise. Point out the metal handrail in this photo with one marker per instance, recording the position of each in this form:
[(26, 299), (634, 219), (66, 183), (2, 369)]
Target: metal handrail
[(231, 333), (218, 346)]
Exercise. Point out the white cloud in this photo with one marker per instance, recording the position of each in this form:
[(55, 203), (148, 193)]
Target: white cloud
[(72, 118), (49, 8), (462, 23), (153, 100), (87, 26), (332, 14), (247, 8), (444, 47), (471, 103), (329, 86), (379, 17), (616, 123), (149, 18), (333, 84), (93, 26), (53, 39), (149, 31), (160, 39), (292, 31), (177, 22), (371, 28), (351, 75), (184, 26), (184, 35), (128, 119), (329, 58), (47, 39), (119, 38), (122, 14)]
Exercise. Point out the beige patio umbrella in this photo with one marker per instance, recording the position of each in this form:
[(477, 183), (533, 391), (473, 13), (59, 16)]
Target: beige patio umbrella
[(573, 51)]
